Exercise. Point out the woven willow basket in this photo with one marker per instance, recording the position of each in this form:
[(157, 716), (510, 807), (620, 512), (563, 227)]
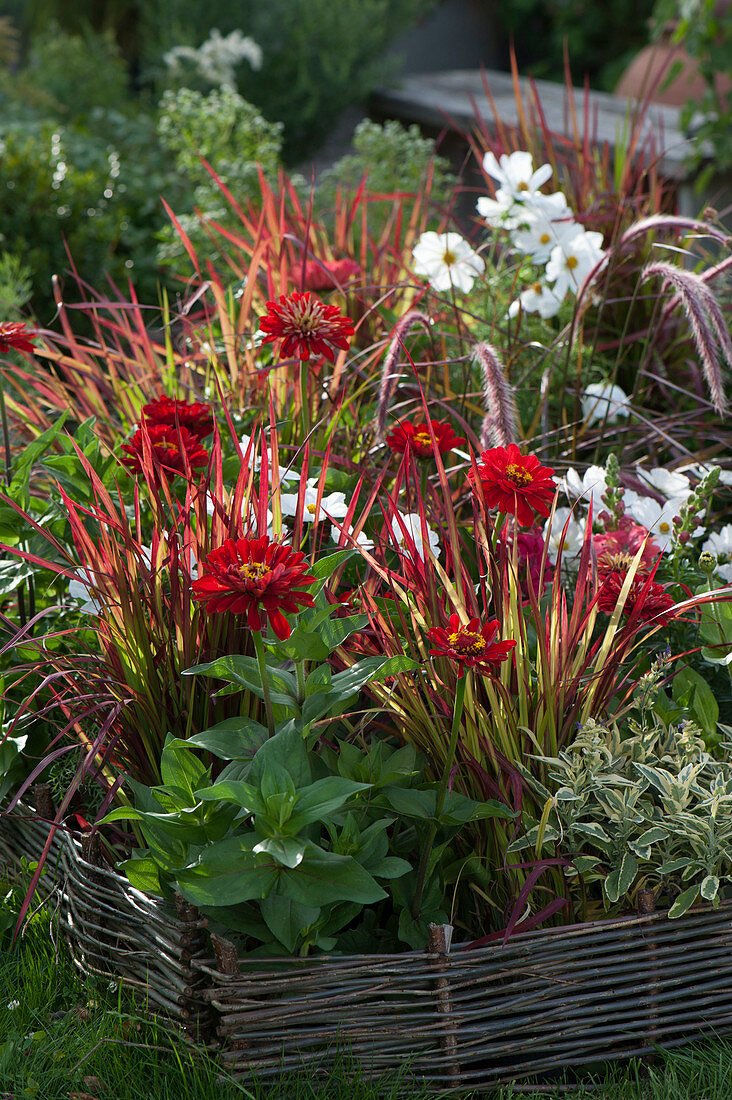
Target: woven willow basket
[(487, 1016), (462, 1019)]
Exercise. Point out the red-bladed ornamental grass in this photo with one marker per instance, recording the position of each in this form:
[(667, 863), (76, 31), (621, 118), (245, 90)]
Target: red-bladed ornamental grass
[(306, 326), (417, 439), (195, 416), (176, 450), (259, 578), (471, 645), (15, 336), (517, 485)]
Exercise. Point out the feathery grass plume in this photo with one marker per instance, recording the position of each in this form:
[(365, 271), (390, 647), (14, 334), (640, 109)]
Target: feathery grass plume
[(391, 369), (706, 321), (500, 423)]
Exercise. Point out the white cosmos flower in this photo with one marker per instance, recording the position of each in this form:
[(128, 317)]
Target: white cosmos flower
[(700, 471), (332, 506), (669, 483), (572, 260), (515, 174), (537, 298), (80, 590), (719, 543), (502, 211), (658, 518), (447, 260), (412, 521), (547, 224), (553, 531), (287, 475), (361, 539), (604, 402), (592, 485)]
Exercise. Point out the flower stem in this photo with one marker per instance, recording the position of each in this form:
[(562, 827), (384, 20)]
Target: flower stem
[(262, 662), (304, 404), (457, 714)]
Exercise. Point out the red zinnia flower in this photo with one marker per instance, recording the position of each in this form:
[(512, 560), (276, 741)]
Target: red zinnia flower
[(616, 549), (648, 599), (15, 334), (255, 577), (470, 646), (515, 484), (194, 415), (417, 438), (327, 274), (306, 326), (171, 448)]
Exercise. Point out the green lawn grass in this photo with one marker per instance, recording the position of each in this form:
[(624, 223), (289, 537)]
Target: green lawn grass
[(62, 1037)]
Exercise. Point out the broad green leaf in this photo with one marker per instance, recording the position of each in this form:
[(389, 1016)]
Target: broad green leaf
[(583, 864), (672, 866), (320, 799), (287, 850), (180, 767), (13, 573), (326, 565), (241, 794), (228, 873), (457, 809), (370, 669), (628, 871), (324, 877), (595, 832), (709, 887), (232, 739), (244, 672), (652, 836), (683, 902), (286, 750), (691, 690), (143, 873), (287, 918), (411, 803)]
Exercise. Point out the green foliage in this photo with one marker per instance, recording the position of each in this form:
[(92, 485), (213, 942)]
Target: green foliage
[(79, 72), (704, 29), (646, 796), (600, 41), (233, 137), (320, 57), (16, 286), (60, 187), (293, 839)]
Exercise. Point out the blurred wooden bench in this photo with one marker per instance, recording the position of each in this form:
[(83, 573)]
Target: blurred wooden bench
[(443, 101)]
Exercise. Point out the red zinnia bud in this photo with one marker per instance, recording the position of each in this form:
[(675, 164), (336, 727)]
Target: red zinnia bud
[(416, 437), (306, 327), (15, 334), (515, 484), (194, 415), (174, 450), (256, 578), (327, 274), (470, 646)]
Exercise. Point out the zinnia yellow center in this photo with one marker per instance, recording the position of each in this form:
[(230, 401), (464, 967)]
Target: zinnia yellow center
[(518, 474), (254, 570), (165, 445), (536, 287), (423, 439), (466, 642), (617, 562)]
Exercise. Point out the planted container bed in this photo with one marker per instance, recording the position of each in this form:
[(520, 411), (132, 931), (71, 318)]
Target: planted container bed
[(24, 833), (487, 1016), (151, 946)]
